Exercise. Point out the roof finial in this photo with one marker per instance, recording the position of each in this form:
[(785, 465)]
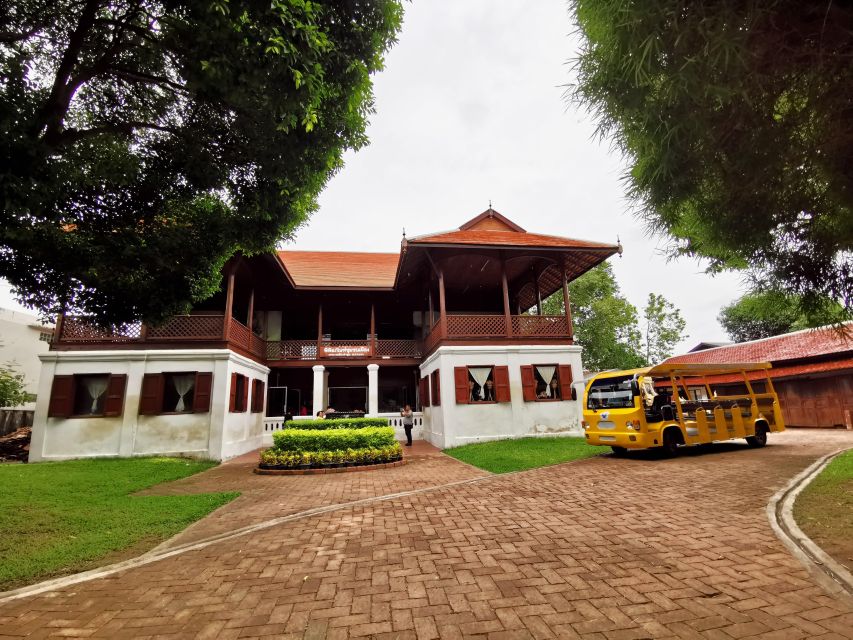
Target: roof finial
[(618, 245), (490, 203), (404, 232)]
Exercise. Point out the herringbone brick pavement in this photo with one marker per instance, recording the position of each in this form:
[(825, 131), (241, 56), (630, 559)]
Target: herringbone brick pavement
[(604, 549)]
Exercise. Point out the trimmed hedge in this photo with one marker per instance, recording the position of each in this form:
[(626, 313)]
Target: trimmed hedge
[(336, 423), (292, 460), (301, 440)]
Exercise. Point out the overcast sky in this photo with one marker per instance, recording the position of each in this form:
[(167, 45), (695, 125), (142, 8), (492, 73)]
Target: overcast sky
[(470, 108)]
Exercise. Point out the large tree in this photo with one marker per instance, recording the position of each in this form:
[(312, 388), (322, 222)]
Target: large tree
[(771, 313), (737, 121), (605, 322), (145, 141), (664, 328)]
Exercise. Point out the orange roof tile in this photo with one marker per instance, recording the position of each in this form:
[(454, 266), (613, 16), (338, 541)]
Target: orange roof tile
[(340, 269), (783, 352), (507, 239)]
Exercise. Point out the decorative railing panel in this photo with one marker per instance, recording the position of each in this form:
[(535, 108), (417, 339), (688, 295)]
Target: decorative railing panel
[(292, 350), (397, 349), (239, 334), (476, 326), (78, 330), (195, 327), (545, 326)]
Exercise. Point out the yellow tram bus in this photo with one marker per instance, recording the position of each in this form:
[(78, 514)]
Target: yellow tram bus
[(668, 406)]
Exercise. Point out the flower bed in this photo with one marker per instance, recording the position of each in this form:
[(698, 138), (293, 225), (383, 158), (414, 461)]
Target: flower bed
[(332, 446)]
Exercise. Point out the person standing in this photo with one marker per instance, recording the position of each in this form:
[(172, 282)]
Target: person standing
[(408, 422)]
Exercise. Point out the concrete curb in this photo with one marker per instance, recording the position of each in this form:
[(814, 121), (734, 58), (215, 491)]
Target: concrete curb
[(830, 574)]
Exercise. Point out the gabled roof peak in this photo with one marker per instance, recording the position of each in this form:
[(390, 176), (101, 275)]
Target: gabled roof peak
[(491, 220)]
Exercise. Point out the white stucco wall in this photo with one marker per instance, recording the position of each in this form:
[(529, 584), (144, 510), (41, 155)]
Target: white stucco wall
[(451, 424), (216, 434), (20, 346)]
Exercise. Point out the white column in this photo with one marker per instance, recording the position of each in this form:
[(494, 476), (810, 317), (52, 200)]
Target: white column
[(373, 389), (319, 380)]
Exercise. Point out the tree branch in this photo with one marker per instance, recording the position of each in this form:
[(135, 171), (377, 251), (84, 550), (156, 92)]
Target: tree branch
[(70, 136)]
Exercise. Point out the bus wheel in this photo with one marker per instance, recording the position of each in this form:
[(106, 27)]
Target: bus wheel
[(671, 439), (759, 439), (620, 452)]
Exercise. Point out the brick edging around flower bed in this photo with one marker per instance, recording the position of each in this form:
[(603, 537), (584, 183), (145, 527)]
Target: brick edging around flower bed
[(313, 472)]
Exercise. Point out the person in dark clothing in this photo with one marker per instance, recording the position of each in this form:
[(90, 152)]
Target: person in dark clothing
[(408, 421)]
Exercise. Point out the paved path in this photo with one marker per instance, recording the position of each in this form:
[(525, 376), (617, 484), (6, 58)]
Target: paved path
[(603, 549)]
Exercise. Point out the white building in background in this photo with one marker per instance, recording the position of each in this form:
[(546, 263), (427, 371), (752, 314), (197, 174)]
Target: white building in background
[(23, 338), (451, 324)]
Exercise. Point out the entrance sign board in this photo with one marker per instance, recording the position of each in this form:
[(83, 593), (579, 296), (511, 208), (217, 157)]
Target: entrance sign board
[(345, 350)]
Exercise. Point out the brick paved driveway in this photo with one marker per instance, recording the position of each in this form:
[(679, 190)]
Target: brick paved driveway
[(604, 548)]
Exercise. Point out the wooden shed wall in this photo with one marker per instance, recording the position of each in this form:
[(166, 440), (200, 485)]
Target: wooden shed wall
[(816, 402)]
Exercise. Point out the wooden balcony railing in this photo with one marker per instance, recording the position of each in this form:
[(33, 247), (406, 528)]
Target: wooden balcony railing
[(341, 349), (495, 327)]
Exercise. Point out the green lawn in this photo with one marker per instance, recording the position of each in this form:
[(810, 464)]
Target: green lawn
[(824, 510), (62, 517), (502, 456)]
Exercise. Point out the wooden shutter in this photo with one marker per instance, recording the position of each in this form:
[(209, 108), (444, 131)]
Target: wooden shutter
[(501, 375), (528, 383), (436, 389), (257, 396), (114, 402), (460, 381), (201, 395), (151, 396), (232, 402), (61, 397), (565, 371), (424, 391), (244, 406)]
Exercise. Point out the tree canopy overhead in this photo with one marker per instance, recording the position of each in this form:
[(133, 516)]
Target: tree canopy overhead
[(146, 141), (737, 121)]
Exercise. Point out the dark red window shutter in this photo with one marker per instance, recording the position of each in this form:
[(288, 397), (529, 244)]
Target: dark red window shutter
[(201, 397), (244, 405), (502, 384), (565, 373), (528, 383), (424, 391), (114, 402), (257, 396), (232, 402), (436, 388), (151, 396), (460, 382), (61, 397)]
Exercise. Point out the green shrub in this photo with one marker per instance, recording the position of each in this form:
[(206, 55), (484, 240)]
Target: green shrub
[(292, 460), (336, 423), (301, 440)]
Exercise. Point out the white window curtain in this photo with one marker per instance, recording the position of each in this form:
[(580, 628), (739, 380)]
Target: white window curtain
[(183, 385), (547, 374), (95, 387), (480, 375)]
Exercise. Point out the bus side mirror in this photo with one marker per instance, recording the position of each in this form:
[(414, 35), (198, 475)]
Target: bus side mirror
[(574, 394)]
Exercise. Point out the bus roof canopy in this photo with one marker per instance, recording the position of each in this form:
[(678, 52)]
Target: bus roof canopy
[(696, 369)]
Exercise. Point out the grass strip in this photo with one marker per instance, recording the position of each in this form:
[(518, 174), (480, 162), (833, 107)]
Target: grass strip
[(824, 509), (58, 518), (503, 456)]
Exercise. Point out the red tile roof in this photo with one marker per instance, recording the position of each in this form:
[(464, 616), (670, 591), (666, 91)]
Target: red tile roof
[(784, 352), (340, 269), (790, 346), (507, 239)]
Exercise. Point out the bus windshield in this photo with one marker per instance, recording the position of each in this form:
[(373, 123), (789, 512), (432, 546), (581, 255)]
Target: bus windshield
[(611, 393)]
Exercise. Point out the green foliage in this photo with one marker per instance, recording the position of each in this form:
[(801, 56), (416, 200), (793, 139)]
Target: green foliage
[(664, 328), (605, 322), (764, 314), (301, 440), (337, 423), (12, 393), (292, 459), (502, 456), (143, 143), (734, 117), (62, 517)]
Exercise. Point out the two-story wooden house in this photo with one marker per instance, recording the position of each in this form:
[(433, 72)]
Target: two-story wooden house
[(451, 325)]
